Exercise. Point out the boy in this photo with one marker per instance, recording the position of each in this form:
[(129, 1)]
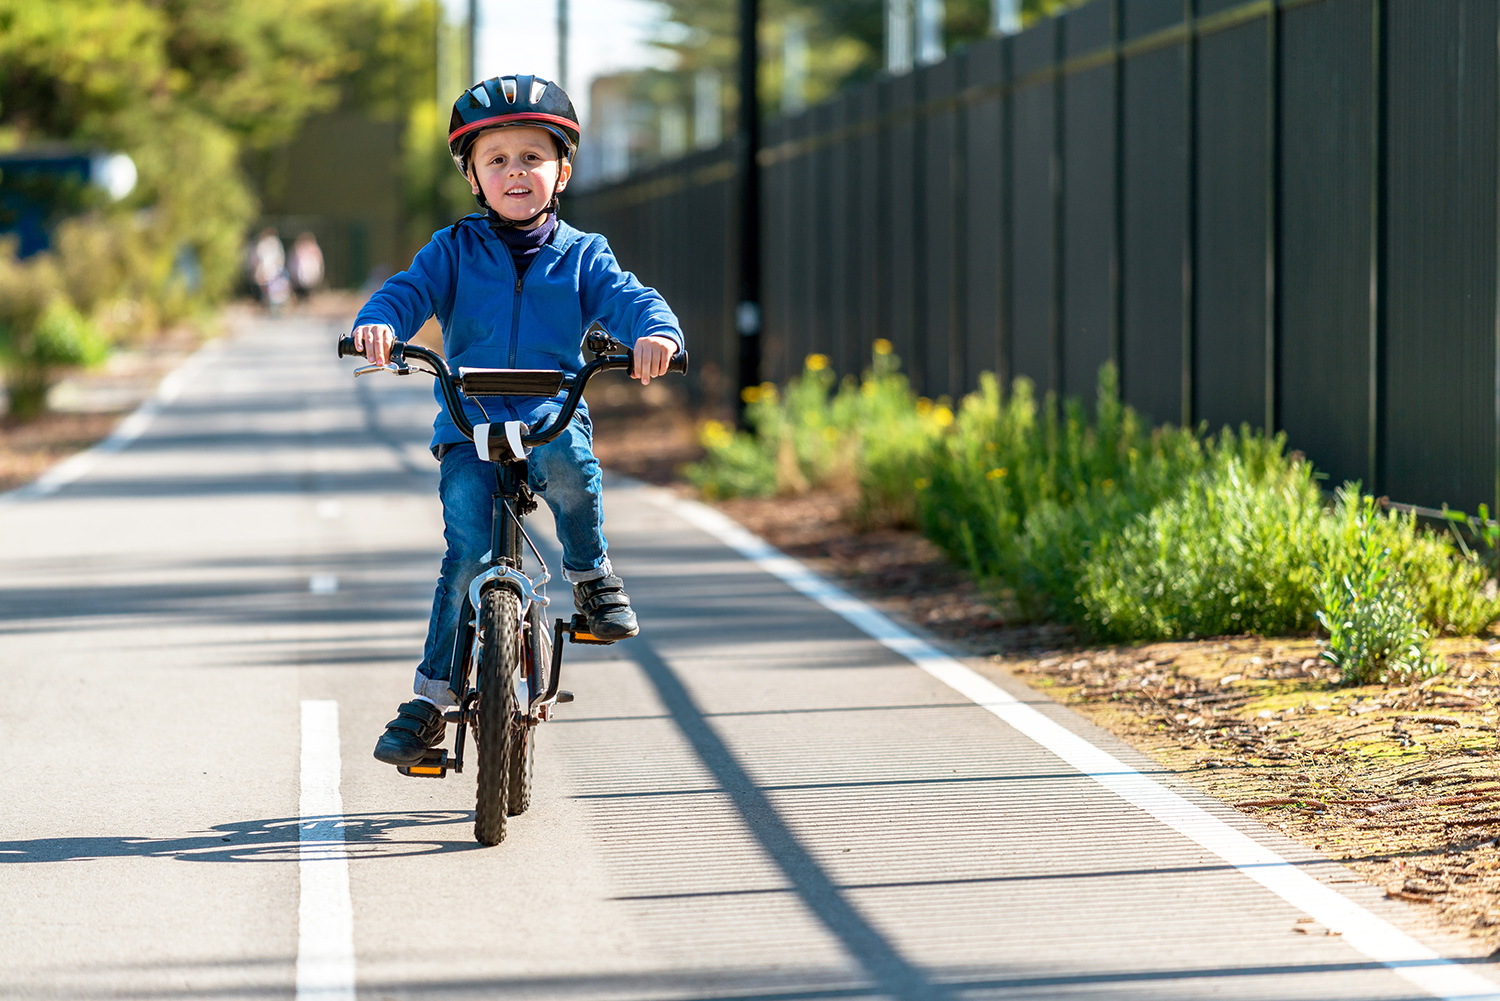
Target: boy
[(513, 287)]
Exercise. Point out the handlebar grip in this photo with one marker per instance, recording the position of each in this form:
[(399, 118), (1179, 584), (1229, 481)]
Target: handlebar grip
[(347, 348), (679, 363)]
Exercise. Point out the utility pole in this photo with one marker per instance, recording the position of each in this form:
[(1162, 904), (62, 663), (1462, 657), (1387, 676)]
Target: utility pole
[(929, 32), (1005, 17), (473, 75), (898, 36), (562, 44), (747, 314)]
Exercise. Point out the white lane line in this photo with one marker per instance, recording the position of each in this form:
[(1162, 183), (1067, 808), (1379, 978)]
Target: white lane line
[(1369, 934), (325, 914), (77, 466), (323, 583)]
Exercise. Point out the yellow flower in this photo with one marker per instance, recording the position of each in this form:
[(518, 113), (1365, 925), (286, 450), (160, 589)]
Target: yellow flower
[(830, 434), (922, 483), (943, 416), (714, 434), (750, 394), (1108, 485), (924, 406), (868, 389), (768, 391), (816, 363), (882, 346), (995, 474)]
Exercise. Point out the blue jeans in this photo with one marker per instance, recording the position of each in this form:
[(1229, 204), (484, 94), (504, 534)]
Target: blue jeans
[(565, 473)]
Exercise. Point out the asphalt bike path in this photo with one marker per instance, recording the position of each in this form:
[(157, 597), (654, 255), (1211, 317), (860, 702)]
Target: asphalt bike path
[(204, 627)]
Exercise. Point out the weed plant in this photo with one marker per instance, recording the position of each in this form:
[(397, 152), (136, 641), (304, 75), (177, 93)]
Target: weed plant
[(1375, 631)]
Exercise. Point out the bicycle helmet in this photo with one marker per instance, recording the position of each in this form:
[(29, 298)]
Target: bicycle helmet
[(501, 101)]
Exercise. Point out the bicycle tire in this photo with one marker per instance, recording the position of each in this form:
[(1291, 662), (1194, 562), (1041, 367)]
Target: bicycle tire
[(522, 755), (499, 659), (523, 744)]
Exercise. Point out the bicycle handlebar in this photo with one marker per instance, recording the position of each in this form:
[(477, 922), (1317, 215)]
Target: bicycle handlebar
[(448, 384)]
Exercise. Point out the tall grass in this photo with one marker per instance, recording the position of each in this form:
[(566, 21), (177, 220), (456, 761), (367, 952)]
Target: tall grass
[(1088, 516)]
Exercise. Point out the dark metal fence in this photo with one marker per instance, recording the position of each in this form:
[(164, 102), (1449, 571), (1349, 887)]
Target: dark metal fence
[(1281, 212)]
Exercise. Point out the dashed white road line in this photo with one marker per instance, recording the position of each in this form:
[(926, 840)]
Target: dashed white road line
[(325, 912), (1369, 934)]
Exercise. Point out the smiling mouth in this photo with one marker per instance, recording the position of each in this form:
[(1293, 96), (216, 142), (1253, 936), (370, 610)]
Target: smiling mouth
[(519, 192)]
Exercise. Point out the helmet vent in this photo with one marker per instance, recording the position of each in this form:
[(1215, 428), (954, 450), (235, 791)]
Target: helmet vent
[(508, 84), (538, 88), (477, 96)]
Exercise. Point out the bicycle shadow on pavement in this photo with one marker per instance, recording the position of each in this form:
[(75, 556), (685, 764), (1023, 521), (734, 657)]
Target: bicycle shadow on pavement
[(285, 839)]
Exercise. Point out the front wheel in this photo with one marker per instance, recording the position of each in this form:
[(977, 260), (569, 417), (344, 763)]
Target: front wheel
[(495, 719)]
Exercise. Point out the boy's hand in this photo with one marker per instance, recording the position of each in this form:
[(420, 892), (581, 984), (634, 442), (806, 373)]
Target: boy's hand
[(650, 358), (375, 340)]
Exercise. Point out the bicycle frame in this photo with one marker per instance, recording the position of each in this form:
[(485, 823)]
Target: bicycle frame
[(513, 501)]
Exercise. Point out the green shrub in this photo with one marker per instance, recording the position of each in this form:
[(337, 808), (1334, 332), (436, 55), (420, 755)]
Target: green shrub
[(1232, 552), (1375, 632), (60, 338), (867, 431), (1095, 520), (1450, 586)]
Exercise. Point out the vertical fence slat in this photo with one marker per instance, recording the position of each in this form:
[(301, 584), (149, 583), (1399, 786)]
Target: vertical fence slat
[(1440, 251), (1230, 273)]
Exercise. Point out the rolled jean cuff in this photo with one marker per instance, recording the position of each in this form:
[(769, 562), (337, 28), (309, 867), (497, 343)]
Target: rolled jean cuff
[(582, 576), (435, 689)]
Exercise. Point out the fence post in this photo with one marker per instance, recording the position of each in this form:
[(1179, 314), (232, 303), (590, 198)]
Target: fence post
[(1376, 360), (1117, 251), (747, 310), (1190, 214), (1273, 212), (1059, 193)]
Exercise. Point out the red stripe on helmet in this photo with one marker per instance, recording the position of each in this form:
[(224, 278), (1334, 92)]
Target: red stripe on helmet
[(525, 116)]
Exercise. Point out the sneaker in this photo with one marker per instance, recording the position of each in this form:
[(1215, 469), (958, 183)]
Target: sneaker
[(417, 727), (606, 607)]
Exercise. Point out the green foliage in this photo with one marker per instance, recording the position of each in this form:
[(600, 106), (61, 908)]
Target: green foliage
[(866, 431), (1232, 552), (1451, 588), (1093, 519), (35, 354), (1374, 625)]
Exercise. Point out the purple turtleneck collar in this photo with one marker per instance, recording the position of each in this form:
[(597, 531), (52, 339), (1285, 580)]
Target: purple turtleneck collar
[(525, 244)]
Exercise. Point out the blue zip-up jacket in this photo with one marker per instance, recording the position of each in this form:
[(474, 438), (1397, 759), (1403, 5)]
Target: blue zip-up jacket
[(465, 277)]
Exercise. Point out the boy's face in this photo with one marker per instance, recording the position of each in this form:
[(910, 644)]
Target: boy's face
[(518, 168)]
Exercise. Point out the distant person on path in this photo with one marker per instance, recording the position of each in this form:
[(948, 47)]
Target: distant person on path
[(307, 265), (513, 287), (268, 259)]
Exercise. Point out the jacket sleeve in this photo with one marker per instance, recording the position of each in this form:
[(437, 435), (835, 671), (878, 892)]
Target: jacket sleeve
[(616, 298), (408, 298)]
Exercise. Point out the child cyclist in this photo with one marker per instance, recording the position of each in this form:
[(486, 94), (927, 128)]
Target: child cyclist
[(513, 287)]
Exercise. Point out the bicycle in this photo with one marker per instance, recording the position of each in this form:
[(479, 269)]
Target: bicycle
[(514, 660)]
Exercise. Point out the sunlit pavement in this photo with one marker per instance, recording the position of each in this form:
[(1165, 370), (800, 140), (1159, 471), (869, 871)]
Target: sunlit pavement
[(751, 800)]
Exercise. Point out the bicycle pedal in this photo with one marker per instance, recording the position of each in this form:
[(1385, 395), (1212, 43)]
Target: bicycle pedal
[(564, 696), (578, 632), (434, 765)]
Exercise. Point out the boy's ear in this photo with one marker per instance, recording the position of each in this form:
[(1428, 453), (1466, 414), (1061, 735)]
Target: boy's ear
[(563, 173), (473, 184)]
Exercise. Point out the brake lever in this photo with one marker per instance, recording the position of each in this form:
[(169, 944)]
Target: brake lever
[(391, 367)]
